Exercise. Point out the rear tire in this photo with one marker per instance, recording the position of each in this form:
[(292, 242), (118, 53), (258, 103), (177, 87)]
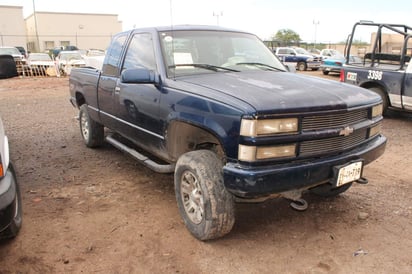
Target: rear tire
[(92, 132), (385, 101), (205, 205)]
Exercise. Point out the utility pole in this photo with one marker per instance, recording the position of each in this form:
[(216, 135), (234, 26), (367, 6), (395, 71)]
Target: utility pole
[(316, 23), (35, 25), (217, 14)]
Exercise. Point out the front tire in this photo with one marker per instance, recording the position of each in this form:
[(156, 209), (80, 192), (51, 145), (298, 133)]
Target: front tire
[(92, 132), (302, 66), (205, 205), (13, 229)]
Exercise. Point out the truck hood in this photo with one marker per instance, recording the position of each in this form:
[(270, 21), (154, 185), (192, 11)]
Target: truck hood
[(271, 92)]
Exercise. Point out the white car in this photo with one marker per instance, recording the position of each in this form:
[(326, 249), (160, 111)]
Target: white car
[(41, 64), (66, 60)]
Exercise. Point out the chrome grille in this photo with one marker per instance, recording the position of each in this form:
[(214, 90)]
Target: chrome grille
[(334, 120), (334, 144)]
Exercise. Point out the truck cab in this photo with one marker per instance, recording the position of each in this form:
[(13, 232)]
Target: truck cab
[(385, 68)]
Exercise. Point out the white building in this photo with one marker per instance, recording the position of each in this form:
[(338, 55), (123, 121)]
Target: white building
[(43, 31), (12, 27), (46, 30)]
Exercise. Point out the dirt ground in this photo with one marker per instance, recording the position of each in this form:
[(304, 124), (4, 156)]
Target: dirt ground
[(98, 211)]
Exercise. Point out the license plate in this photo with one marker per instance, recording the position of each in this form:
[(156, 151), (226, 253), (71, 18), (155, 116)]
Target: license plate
[(348, 173)]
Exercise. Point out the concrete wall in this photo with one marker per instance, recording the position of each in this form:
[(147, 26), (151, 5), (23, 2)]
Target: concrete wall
[(12, 26), (79, 29)]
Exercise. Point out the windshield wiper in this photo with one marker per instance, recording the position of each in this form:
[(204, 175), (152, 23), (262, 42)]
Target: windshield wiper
[(204, 66), (268, 67)]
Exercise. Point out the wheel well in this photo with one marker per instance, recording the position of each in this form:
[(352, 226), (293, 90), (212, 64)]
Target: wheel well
[(80, 99), (383, 90), (184, 137)]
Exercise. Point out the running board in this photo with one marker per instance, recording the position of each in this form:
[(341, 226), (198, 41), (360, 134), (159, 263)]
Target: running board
[(168, 168)]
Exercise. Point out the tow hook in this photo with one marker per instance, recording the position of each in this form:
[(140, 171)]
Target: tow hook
[(362, 181), (297, 202), (299, 205)]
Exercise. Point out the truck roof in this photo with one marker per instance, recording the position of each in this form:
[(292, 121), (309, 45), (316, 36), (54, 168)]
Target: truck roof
[(185, 27)]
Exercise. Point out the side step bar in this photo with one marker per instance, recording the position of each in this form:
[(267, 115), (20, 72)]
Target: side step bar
[(168, 168)]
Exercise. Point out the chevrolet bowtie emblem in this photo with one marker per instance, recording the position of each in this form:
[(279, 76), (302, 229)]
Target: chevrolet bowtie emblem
[(346, 131)]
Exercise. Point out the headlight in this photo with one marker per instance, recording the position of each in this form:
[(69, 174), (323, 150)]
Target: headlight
[(253, 153), (375, 130), (377, 110), (310, 59), (253, 128)]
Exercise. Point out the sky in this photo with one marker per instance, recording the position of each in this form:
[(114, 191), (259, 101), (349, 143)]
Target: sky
[(317, 21)]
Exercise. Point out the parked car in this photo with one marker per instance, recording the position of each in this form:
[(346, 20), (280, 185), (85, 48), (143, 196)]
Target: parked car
[(327, 53), (383, 70), (66, 60), (22, 51), (19, 59), (10, 197), (335, 63), (298, 57), (56, 50), (41, 64), (215, 107)]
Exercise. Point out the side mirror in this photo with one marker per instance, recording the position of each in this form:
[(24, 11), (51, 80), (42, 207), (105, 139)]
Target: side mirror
[(138, 76)]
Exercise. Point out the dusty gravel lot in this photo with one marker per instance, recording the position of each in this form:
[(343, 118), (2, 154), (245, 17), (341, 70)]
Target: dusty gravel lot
[(98, 211)]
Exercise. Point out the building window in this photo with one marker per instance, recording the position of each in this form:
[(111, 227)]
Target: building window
[(49, 44), (64, 43)]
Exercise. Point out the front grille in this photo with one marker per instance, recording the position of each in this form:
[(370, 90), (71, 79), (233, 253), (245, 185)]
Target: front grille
[(334, 144), (334, 120)]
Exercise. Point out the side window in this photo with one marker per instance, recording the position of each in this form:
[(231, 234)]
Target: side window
[(113, 56), (140, 53)]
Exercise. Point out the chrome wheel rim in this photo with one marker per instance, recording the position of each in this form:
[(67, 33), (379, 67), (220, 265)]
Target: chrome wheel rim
[(192, 198), (85, 126)]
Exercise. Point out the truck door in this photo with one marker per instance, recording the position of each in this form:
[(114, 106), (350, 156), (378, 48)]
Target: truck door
[(407, 94), (138, 104), (108, 81)]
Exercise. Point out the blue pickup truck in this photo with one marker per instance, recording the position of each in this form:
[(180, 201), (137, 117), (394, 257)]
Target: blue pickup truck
[(386, 68), (299, 57), (218, 109)]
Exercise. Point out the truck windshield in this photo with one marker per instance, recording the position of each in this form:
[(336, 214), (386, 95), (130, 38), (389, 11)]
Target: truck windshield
[(193, 52)]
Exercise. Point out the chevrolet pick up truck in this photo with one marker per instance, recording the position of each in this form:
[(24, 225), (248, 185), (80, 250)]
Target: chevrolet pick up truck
[(299, 57), (386, 68), (218, 109)]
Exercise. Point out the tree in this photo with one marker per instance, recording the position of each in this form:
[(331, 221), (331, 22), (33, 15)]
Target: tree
[(286, 37)]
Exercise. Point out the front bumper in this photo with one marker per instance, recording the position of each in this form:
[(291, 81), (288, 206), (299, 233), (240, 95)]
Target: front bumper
[(264, 181), (8, 194), (313, 65), (330, 68)]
